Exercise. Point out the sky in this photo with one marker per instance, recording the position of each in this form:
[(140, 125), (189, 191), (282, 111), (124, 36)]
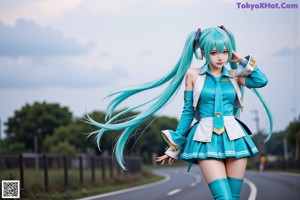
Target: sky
[(75, 52)]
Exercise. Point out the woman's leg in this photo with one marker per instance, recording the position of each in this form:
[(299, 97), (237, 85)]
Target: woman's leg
[(236, 167), (214, 172), (235, 170), (212, 169)]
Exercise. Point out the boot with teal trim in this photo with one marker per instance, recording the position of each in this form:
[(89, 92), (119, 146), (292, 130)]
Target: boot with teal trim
[(236, 187), (220, 189)]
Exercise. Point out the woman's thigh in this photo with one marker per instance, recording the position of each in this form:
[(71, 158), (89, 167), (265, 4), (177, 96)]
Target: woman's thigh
[(212, 169), (236, 167)]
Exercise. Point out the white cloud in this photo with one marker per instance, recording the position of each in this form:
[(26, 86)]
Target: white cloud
[(55, 72), (286, 51), (48, 10), (55, 8), (231, 1), (180, 2), (27, 38), (12, 10), (115, 7), (121, 7)]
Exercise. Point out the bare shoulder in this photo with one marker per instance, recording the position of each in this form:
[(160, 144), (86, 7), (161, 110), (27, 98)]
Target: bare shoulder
[(193, 72)]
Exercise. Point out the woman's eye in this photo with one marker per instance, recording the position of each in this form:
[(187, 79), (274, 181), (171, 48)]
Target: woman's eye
[(213, 53), (225, 52)]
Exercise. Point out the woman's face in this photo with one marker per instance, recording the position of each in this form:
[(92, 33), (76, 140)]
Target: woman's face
[(218, 59)]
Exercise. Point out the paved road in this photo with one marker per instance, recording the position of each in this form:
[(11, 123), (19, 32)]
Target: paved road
[(272, 185), (180, 185)]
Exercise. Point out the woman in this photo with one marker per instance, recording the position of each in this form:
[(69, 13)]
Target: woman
[(218, 143), (222, 154)]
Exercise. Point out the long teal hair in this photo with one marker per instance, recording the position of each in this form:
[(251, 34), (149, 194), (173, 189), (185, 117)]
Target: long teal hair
[(207, 39)]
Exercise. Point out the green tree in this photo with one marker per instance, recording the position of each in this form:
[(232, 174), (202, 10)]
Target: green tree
[(165, 123), (16, 147), (145, 140), (75, 135), (275, 145), (293, 135), (35, 121), (68, 136), (148, 138), (63, 147), (108, 139)]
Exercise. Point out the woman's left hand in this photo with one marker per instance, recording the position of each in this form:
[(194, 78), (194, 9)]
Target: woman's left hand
[(163, 158), (236, 57)]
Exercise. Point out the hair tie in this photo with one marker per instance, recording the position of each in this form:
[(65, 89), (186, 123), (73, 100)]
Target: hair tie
[(224, 29)]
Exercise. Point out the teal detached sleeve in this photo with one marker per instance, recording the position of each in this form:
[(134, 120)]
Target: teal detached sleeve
[(254, 76), (256, 79), (176, 139)]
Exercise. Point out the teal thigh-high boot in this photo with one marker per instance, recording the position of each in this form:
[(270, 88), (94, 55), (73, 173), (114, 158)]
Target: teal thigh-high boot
[(236, 187), (220, 189)]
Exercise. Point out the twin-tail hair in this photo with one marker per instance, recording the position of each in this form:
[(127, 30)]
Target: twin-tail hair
[(173, 80), (208, 39)]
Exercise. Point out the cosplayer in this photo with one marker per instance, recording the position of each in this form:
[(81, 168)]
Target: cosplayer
[(219, 143)]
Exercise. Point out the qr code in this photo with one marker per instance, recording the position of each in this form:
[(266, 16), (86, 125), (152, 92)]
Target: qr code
[(10, 189)]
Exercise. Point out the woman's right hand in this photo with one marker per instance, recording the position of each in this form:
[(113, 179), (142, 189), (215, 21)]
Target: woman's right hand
[(163, 159)]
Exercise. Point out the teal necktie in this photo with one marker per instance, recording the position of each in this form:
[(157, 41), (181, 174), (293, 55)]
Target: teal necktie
[(218, 112)]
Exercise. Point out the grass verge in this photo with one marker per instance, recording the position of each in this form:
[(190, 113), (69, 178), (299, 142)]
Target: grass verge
[(116, 186), (35, 190)]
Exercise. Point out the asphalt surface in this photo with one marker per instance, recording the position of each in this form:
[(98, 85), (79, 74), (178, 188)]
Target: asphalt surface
[(272, 185), (181, 185)]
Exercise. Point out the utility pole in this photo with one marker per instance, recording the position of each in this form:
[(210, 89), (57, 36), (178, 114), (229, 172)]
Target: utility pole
[(36, 147), (0, 136), (285, 148), (260, 144), (256, 119)]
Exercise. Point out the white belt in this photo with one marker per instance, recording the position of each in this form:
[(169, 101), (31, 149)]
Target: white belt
[(204, 129)]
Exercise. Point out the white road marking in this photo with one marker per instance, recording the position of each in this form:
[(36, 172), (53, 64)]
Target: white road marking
[(253, 189), (193, 184), (130, 189), (174, 192), (198, 179)]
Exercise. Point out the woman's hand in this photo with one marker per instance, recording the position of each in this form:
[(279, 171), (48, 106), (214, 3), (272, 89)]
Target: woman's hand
[(236, 57), (163, 159)]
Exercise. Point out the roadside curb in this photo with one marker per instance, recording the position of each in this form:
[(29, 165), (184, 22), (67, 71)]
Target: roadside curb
[(166, 179)]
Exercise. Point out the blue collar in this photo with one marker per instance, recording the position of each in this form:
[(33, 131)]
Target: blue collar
[(205, 69)]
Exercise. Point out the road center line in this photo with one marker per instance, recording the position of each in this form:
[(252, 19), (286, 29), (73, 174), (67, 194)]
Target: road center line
[(198, 179), (253, 189), (174, 192), (193, 184)]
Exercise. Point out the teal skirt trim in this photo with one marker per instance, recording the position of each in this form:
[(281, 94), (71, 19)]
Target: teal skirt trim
[(220, 147)]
